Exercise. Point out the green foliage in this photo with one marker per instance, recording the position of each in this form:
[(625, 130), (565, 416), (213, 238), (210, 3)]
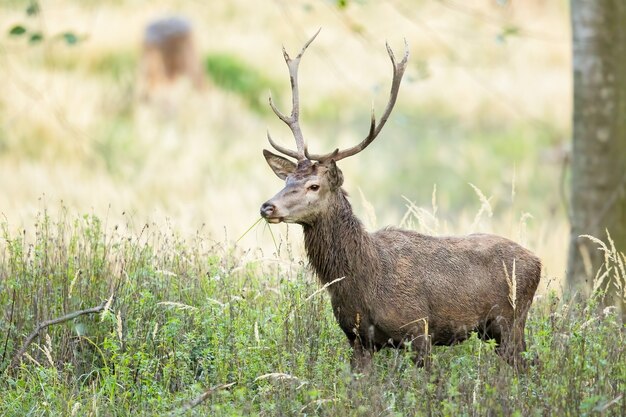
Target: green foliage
[(17, 30), (116, 63), (425, 148), (35, 36), (69, 38), (230, 73), (186, 317), (118, 149), (508, 31), (33, 8)]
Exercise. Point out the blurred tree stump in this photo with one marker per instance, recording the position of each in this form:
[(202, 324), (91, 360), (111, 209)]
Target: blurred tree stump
[(169, 54)]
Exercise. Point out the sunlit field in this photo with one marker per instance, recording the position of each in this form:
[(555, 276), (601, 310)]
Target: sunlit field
[(146, 204), (486, 101)]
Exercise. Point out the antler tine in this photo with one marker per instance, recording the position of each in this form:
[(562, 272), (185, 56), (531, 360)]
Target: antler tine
[(398, 72), (283, 150), (293, 120)]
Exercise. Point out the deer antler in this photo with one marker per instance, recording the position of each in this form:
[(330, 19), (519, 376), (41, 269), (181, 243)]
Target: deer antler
[(293, 121), (398, 72)]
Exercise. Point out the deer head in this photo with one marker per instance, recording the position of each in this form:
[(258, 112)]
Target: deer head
[(314, 180)]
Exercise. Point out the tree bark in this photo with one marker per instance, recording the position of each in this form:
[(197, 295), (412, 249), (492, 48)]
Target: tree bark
[(598, 180)]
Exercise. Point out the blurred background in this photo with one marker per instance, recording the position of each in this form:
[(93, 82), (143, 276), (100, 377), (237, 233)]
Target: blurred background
[(156, 113)]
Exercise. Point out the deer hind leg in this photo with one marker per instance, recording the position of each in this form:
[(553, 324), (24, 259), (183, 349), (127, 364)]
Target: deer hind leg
[(512, 345), (421, 346), (361, 360)]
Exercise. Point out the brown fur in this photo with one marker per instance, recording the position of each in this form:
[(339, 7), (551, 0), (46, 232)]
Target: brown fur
[(401, 286)]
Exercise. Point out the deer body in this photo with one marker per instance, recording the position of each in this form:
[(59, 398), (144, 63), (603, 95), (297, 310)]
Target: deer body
[(396, 287), (401, 286)]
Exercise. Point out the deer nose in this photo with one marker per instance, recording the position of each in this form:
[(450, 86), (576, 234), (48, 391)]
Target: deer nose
[(267, 209)]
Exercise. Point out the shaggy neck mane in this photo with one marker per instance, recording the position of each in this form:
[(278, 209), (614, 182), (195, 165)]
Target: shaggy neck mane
[(338, 245)]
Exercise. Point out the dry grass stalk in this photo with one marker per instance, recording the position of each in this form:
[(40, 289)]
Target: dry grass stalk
[(523, 226), (180, 306), (614, 265), (106, 308), (602, 408), (328, 284), (76, 275), (370, 212), (600, 243), (75, 409), (423, 216), (485, 206), (166, 273), (424, 319), (512, 281), (433, 201), (155, 330), (201, 398), (47, 350), (120, 328), (318, 403), (277, 376), (619, 271), (599, 279), (33, 360)]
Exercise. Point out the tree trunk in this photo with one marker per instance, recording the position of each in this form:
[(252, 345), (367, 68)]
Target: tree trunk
[(598, 187)]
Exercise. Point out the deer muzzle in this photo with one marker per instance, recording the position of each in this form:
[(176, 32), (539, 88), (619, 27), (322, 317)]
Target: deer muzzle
[(268, 212)]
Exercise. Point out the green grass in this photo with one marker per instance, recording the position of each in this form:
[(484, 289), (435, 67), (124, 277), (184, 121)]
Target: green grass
[(117, 64), (188, 315), (420, 149), (232, 74)]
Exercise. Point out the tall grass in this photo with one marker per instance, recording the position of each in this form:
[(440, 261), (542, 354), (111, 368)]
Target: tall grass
[(186, 316), (611, 276)]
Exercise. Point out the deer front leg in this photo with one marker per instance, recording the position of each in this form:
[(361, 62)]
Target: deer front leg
[(420, 343), (361, 360)]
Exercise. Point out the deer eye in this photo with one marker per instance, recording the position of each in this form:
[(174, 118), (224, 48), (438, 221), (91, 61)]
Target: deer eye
[(314, 187)]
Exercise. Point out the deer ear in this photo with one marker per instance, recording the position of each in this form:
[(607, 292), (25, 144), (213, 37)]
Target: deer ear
[(335, 176), (281, 166)]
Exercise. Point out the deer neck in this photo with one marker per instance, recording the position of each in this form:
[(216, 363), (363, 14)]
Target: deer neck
[(337, 244)]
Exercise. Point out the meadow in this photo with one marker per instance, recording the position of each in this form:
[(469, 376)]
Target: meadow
[(193, 328), (146, 209)]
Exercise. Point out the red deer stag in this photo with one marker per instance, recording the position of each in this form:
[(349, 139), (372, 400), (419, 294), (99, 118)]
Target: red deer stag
[(399, 287)]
